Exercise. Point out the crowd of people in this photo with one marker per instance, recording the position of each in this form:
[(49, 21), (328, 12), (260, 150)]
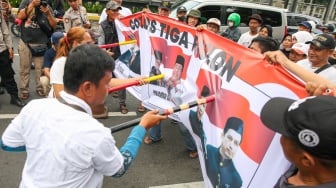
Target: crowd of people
[(66, 74)]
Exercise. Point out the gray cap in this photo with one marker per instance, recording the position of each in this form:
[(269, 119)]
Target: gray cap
[(112, 5)]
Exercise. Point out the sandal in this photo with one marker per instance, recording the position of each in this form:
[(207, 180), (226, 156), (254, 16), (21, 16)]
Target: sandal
[(40, 93), (141, 108), (24, 96), (123, 109), (149, 141), (115, 94), (193, 154)]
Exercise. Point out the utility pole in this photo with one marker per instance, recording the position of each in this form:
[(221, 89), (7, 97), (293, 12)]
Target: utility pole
[(329, 11), (293, 8), (286, 4)]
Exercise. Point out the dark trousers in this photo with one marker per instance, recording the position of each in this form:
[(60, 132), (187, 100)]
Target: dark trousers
[(7, 74)]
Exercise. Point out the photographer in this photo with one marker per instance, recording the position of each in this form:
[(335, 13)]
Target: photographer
[(37, 26)]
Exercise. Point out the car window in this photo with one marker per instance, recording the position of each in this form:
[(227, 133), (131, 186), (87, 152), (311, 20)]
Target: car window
[(271, 18), (188, 5), (293, 20), (222, 12), (211, 12)]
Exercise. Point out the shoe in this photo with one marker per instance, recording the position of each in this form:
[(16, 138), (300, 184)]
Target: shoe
[(2, 90), (115, 94), (24, 96), (150, 141), (16, 101), (141, 108), (193, 154), (123, 109), (40, 93)]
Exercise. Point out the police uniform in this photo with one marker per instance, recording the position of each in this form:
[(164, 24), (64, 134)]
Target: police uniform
[(75, 18)]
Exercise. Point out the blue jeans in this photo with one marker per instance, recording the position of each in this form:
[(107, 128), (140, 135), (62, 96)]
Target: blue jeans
[(188, 139), (155, 132), (155, 135)]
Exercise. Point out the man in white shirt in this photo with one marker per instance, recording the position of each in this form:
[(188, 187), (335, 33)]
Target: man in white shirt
[(122, 13), (65, 145), (254, 22), (321, 47)]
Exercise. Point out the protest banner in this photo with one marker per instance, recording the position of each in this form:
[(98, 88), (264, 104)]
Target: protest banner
[(198, 64)]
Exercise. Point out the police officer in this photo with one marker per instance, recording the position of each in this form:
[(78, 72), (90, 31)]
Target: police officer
[(75, 16), (6, 70)]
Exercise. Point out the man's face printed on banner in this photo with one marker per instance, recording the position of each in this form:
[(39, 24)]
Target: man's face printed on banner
[(230, 143), (200, 111), (157, 63), (177, 71)]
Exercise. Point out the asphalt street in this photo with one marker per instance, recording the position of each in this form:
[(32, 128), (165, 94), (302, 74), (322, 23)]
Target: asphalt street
[(163, 163)]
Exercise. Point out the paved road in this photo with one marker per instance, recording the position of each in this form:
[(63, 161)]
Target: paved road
[(163, 163)]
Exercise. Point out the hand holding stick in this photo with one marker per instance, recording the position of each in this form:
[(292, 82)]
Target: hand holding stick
[(136, 83), (185, 106)]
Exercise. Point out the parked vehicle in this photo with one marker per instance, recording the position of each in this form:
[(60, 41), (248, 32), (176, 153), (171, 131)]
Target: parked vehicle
[(276, 17), (294, 19)]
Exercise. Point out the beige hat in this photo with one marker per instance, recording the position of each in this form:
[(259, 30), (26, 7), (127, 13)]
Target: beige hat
[(214, 21), (301, 48)]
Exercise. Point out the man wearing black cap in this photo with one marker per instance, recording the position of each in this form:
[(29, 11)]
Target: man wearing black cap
[(308, 133), (254, 23), (321, 47), (181, 13), (219, 165), (173, 84)]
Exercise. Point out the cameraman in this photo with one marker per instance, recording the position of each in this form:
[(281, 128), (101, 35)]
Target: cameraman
[(37, 26)]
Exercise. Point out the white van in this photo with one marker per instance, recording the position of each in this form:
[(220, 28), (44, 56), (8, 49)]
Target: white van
[(276, 17)]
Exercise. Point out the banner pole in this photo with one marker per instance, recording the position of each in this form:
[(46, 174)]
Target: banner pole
[(117, 44), (169, 111), (135, 83)]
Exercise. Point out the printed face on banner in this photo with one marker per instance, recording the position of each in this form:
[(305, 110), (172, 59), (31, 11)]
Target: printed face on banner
[(230, 144)]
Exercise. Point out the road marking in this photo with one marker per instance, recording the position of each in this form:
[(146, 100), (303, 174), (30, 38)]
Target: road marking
[(199, 184), (110, 114)]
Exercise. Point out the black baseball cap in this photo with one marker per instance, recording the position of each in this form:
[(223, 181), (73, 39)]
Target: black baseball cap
[(181, 9), (323, 41), (309, 122)]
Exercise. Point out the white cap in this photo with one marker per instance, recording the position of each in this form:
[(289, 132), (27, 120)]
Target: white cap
[(214, 21), (301, 48)]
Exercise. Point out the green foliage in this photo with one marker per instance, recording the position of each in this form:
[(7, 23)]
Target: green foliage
[(95, 7), (15, 3)]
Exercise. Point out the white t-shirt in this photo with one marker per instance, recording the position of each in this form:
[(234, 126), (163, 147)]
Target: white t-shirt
[(124, 12), (56, 74), (329, 73), (65, 147), (246, 39)]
